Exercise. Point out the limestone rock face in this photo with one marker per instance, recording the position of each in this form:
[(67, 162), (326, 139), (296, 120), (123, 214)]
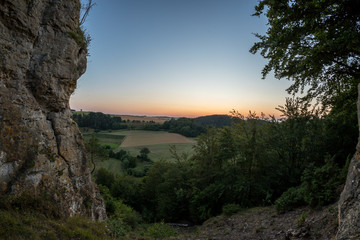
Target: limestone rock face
[(41, 148), (349, 203)]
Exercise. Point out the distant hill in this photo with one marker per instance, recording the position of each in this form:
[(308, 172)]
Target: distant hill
[(217, 121)]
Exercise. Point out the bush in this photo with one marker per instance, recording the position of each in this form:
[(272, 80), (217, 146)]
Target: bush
[(122, 218), (160, 231), (292, 198), (117, 228), (320, 183), (104, 177), (231, 209), (126, 188), (128, 215), (317, 188), (129, 162), (136, 172)]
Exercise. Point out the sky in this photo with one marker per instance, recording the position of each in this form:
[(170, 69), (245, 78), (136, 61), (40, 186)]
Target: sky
[(176, 58)]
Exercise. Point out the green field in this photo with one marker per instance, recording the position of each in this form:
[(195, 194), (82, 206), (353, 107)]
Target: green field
[(158, 142), (106, 139), (111, 164), (161, 151)]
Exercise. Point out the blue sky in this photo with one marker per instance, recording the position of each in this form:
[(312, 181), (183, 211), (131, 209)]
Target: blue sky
[(175, 58)]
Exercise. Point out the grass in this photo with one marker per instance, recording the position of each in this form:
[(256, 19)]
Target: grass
[(35, 217), (144, 138), (112, 165), (106, 139), (111, 145), (158, 142), (161, 151), (133, 141), (80, 37), (26, 225)]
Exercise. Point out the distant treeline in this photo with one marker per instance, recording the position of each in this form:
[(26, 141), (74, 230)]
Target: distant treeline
[(99, 121), (188, 127)]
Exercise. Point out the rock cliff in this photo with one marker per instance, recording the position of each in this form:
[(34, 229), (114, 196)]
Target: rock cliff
[(349, 203), (41, 148)]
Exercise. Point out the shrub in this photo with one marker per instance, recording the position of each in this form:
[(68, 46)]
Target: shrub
[(82, 38), (122, 218), (116, 227), (160, 231), (302, 218), (104, 177), (136, 172), (126, 188), (128, 215), (320, 183), (292, 198), (231, 209)]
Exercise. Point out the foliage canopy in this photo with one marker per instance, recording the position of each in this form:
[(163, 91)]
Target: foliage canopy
[(314, 43)]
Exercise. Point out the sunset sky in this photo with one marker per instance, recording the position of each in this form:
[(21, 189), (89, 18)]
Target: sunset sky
[(175, 58)]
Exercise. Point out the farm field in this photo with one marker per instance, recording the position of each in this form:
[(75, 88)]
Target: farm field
[(143, 138), (106, 139), (158, 143), (161, 151), (133, 141)]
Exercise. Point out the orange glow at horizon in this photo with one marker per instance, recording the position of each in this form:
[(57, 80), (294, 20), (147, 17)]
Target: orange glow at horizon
[(173, 109), (157, 62)]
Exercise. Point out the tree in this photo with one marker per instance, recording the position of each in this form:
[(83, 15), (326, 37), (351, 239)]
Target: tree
[(104, 177), (228, 146), (144, 154), (85, 9), (207, 150), (314, 43), (95, 150)]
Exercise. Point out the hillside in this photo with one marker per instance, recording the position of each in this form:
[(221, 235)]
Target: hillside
[(217, 121), (251, 224), (265, 223)]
